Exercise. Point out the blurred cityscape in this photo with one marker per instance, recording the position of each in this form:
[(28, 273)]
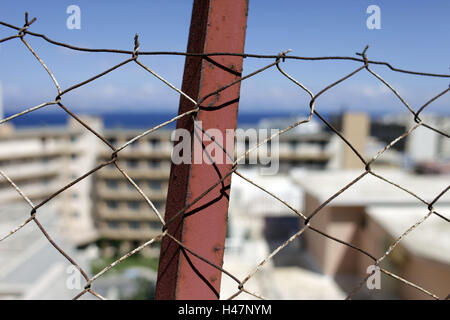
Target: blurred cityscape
[(103, 217)]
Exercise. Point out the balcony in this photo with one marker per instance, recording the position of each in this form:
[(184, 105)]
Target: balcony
[(139, 172), (122, 212), (125, 233), (128, 193)]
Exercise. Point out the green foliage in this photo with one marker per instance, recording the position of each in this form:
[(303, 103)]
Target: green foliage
[(134, 261)]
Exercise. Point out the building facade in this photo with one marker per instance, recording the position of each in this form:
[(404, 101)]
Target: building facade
[(105, 207)]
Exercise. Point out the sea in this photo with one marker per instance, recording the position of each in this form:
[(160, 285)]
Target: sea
[(139, 120), (130, 120)]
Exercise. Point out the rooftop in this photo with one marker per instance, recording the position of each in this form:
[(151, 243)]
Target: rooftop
[(30, 267), (431, 239), (371, 190), (254, 201)]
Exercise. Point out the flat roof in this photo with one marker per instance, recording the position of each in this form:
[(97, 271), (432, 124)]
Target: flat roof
[(30, 267), (371, 190), (430, 239), (257, 202)]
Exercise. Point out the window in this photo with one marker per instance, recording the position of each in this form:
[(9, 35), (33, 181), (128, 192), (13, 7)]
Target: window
[(134, 225), (112, 204), (113, 224), (132, 163), (155, 225), (133, 205), (323, 145), (112, 141), (154, 184), (112, 184), (293, 144), (154, 143), (152, 163)]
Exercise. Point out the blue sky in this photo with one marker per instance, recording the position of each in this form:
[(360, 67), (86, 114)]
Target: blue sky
[(413, 35)]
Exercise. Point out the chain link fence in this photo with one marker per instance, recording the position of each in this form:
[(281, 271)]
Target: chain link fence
[(21, 33)]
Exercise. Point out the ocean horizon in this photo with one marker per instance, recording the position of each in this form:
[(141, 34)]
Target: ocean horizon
[(136, 120), (128, 119)]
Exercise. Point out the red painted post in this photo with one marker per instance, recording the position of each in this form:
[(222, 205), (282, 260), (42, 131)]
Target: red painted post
[(216, 26)]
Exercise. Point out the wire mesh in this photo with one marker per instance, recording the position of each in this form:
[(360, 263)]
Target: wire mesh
[(307, 217)]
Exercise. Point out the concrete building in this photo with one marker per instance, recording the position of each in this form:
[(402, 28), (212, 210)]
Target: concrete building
[(424, 256), (308, 145), (30, 267), (314, 146), (257, 225), (423, 144), (371, 214), (104, 206), (106, 209), (123, 219), (367, 136), (355, 127), (253, 214), (43, 160)]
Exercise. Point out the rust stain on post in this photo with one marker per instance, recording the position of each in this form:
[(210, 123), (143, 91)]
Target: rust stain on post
[(216, 26)]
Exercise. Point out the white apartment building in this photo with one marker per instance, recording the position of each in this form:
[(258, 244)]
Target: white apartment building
[(43, 160), (104, 207)]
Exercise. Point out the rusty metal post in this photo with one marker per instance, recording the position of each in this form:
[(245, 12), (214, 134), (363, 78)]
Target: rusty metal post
[(216, 26)]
